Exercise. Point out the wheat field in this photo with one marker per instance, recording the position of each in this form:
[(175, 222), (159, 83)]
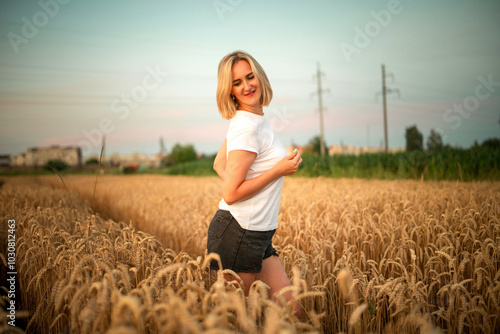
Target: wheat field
[(364, 256)]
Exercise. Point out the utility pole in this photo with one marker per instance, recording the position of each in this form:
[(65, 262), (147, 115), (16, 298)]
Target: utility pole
[(384, 92), (319, 92), (368, 135), (163, 150), (103, 148)]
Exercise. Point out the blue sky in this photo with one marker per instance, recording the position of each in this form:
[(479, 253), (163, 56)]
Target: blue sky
[(71, 71)]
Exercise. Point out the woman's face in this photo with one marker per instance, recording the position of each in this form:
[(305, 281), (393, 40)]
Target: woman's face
[(246, 86)]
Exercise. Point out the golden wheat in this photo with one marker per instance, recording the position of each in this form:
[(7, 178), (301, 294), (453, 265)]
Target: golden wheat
[(365, 256)]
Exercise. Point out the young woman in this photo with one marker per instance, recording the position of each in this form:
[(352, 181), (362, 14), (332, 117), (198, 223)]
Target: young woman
[(252, 163)]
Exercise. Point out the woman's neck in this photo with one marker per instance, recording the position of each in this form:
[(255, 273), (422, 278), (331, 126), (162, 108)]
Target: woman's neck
[(258, 110)]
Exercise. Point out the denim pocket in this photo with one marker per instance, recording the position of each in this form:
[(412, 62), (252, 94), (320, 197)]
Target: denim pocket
[(218, 225)]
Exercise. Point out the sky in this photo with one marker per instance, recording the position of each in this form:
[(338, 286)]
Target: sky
[(74, 71)]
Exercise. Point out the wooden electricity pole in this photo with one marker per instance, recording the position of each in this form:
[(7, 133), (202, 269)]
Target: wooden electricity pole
[(384, 92), (320, 92), (163, 151)]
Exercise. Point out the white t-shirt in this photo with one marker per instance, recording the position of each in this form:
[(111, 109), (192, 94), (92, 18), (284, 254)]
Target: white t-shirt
[(251, 132)]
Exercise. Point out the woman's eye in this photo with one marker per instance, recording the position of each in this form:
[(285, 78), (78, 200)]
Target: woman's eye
[(237, 84), (250, 78)]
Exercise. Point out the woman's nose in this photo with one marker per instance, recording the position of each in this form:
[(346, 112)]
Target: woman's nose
[(246, 85)]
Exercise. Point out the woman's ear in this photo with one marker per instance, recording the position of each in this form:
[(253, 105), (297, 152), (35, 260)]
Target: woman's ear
[(234, 100)]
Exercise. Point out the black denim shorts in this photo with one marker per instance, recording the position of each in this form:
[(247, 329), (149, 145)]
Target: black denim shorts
[(240, 250)]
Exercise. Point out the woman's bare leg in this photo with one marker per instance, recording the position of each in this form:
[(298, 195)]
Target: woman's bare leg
[(247, 278), (274, 275)]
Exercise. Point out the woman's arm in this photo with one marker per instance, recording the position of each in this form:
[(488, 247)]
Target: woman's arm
[(235, 187), (220, 160)]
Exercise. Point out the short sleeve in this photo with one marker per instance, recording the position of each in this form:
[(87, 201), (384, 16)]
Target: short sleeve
[(243, 135)]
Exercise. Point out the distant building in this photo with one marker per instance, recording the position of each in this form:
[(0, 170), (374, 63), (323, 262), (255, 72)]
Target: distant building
[(347, 149), (140, 159), (290, 149), (357, 150), (40, 156), (4, 160)]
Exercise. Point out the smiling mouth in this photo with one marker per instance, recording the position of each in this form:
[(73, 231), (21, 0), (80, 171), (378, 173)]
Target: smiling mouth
[(250, 94)]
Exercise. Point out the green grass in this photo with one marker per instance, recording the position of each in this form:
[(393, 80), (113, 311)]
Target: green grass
[(475, 164), (203, 167), (450, 164)]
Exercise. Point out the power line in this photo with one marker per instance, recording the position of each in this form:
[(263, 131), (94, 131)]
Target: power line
[(106, 35), (65, 69)]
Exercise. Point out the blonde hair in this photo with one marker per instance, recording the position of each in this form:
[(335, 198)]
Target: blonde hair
[(227, 107)]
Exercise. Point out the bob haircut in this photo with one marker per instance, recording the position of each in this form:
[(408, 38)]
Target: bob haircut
[(227, 107)]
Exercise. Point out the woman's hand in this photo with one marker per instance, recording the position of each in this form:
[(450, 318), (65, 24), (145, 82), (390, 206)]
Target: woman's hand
[(289, 164), (235, 186)]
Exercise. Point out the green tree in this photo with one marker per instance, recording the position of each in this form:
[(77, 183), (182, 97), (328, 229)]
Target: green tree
[(414, 139), (181, 153), (58, 165), (434, 142), (314, 146), (492, 143), (92, 161)]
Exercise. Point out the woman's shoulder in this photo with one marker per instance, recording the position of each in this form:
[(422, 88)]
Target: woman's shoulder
[(243, 125), (246, 119)]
